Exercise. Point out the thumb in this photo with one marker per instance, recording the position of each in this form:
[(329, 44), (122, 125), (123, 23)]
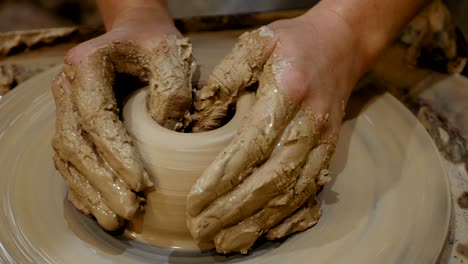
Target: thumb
[(170, 89), (237, 71)]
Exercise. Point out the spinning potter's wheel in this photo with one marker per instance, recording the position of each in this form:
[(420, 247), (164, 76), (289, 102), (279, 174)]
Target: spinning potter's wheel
[(388, 203)]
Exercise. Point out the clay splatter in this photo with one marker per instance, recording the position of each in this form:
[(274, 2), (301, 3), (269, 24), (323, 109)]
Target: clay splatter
[(463, 200), (462, 250)]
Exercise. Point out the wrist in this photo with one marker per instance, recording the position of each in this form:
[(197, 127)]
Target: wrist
[(142, 18), (373, 23), (141, 13), (347, 38), (341, 45)]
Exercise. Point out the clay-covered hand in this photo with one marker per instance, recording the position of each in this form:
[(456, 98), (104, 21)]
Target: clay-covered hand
[(93, 151), (266, 180)]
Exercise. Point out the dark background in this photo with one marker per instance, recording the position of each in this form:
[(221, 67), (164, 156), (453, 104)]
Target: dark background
[(29, 14)]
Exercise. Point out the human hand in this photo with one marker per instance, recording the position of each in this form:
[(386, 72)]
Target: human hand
[(266, 180), (93, 151)]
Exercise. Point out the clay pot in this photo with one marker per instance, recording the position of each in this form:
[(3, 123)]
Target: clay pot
[(174, 162)]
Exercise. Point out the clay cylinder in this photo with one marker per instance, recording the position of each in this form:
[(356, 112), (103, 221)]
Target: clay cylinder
[(174, 162)]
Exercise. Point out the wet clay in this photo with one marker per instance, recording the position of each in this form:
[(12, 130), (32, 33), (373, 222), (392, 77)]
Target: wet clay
[(287, 131), (174, 161)]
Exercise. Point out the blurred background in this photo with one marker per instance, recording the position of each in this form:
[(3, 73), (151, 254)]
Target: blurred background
[(32, 14)]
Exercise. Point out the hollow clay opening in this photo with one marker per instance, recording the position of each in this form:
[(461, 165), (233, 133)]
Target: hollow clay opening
[(174, 161), (126, 84)]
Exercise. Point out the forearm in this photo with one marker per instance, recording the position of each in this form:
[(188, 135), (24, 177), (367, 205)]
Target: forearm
[(373, 24), (116, 12)]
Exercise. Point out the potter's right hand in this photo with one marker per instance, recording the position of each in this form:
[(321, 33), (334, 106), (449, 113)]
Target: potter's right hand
[(266, 180), (92, 149)]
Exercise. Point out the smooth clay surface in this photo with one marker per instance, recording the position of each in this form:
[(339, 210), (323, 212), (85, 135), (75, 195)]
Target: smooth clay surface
[(174, 161), (388, 202)]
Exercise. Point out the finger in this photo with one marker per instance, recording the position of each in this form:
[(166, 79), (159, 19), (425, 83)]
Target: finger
[(85, 198), (170, 88), (251, 146), (72, 146), (92, 80), (239, 69), (301, 220), (242, 236), (279, 173), (73, 198)]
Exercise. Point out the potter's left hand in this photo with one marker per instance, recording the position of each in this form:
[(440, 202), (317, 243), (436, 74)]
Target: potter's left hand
[(93, 151), (266, 180)]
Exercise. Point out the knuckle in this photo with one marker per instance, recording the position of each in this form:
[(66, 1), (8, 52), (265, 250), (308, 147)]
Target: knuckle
[(76, 54), (295, 84), (72, 57)]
